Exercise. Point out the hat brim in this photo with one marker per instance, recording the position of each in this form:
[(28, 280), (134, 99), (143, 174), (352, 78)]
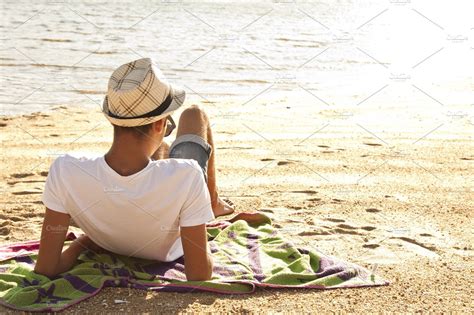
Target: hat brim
[(176, 103)]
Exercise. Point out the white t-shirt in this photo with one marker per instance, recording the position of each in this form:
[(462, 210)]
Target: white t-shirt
[(138, 215)]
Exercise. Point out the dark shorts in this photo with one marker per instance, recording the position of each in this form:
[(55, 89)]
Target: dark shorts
[(191, 147)]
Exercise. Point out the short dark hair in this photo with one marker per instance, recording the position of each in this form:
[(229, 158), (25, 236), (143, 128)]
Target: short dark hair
[(139, 131)]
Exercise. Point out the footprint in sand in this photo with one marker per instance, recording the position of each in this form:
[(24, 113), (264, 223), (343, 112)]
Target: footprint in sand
[(310, 192), (16, 219), (346, 226), (295, 207), (3, 124), (24, 181), (310, 233), (372, 210), (412, 241), (293, 221), (327, 151), (335, 220), (4, 230), (314, 199), (337, 200), (267, 160), (284, 162), (346, 231), (323, 146), (44, 173), (373, 144), (371, 246), (22, 175), (467, 159), (27, 192)]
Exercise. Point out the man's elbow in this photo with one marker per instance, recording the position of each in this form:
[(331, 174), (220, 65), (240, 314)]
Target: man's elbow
[(203, 274)]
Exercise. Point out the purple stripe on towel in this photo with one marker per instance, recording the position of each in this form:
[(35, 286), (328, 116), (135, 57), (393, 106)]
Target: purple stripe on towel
[(254, 256), (79, 284), (341, 270), (25, 259)]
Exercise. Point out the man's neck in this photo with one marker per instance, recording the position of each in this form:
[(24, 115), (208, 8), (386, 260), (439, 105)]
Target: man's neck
[(126, 159)]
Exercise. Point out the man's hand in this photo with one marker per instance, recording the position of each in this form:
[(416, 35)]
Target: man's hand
[(197, 259), (86, 243)]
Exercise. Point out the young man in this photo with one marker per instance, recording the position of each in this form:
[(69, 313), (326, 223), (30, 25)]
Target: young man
[(142, 198)]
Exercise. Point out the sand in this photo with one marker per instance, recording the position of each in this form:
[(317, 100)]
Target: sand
[(404, 210)]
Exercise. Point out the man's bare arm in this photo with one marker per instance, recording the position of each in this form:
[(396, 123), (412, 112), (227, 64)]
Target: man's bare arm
[(51, 260), (197, 259)]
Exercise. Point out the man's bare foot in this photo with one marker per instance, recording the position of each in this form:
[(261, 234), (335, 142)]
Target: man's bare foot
[(223, 207), (251, 218)]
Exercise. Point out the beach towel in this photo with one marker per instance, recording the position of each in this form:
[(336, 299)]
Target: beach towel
[(245, 258)]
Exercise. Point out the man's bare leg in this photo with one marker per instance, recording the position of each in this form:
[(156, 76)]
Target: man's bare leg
[(162, 152), (194, 120)]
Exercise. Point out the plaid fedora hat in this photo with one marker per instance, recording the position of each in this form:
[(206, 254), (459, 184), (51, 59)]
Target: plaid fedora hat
[(139, 94)]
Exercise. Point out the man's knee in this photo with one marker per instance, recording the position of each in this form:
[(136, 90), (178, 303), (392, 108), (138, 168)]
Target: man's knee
[(193, 120), (195, 112)]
